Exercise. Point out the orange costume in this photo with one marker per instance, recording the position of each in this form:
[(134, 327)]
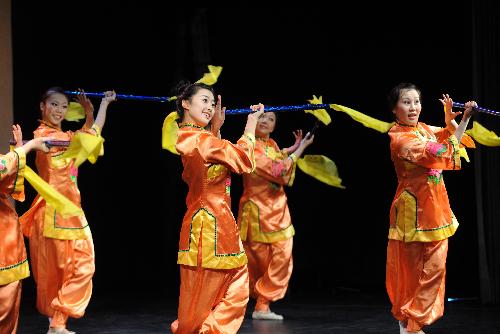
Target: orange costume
[(13, 259), (420, 222), (214, 276), (265, 224), (61, 249)]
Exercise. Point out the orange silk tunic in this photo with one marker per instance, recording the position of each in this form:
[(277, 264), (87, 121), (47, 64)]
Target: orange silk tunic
[(263, 211), (62, 175), (209, 226), (420, 210), (13, 259)]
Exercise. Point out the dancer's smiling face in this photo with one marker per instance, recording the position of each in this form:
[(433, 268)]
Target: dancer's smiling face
[(408, 108), (54, 109), (199, 109), (265, 124)]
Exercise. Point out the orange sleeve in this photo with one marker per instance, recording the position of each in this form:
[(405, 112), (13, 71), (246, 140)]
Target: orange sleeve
[(442, 134), (443, 154), (278, 170), (239, 157), (12, 173), (91, 130)]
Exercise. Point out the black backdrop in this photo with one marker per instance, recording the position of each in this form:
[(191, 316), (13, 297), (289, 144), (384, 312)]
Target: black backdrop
[(133, 196)]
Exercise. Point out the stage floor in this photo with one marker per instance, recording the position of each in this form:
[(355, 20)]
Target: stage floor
[(354, 313)]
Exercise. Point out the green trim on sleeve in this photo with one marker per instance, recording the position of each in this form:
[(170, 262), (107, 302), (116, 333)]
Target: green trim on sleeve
[(250, 137)]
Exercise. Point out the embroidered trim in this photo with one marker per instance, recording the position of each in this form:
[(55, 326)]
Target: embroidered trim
[(278, 168), (17, 172), (251, 138), (406, 226), (215, 243), (3, 166), (191, 125), (406, 125), (56, 227), (434, 175), (14, 265), (49, 125), (456, 152), (190, 231), (435, 149), (215, 235), (14, 272), (228, 185), (73, 173)]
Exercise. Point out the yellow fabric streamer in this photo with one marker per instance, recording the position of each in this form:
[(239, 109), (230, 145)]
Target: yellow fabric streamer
[(75, 112), (320, 114), (463, 154), (366, 120), (211, 77), (483, 136), (83, 147), (321, 168), (63, 206), (169, 132)]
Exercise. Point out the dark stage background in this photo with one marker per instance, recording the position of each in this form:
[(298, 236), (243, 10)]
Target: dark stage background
[(134, 196)]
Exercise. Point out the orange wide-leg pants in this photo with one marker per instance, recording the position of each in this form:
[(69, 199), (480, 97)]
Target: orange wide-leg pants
[(63, 271), (415, 281), (10, 299), (211, 300), (270, 268)]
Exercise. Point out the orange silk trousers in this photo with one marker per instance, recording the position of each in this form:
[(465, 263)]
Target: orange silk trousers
[(415, 281), (63, 271), (10, 299), (211, 300), (270, 267)]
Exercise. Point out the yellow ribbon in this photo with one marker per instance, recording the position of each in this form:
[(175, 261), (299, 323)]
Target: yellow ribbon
[(75, 112), (320, 114), (366, 120), (483, 136), (169, 132), (63, 206), (211, 77), (321, 168), (83, 147)]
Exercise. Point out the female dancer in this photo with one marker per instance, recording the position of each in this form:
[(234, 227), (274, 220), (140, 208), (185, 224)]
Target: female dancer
[(214, 276), (421, 220), (61, 249), (13, 258), (264, 219)]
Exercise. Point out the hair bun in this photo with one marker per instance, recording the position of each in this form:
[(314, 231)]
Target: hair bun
[(181, 87)]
